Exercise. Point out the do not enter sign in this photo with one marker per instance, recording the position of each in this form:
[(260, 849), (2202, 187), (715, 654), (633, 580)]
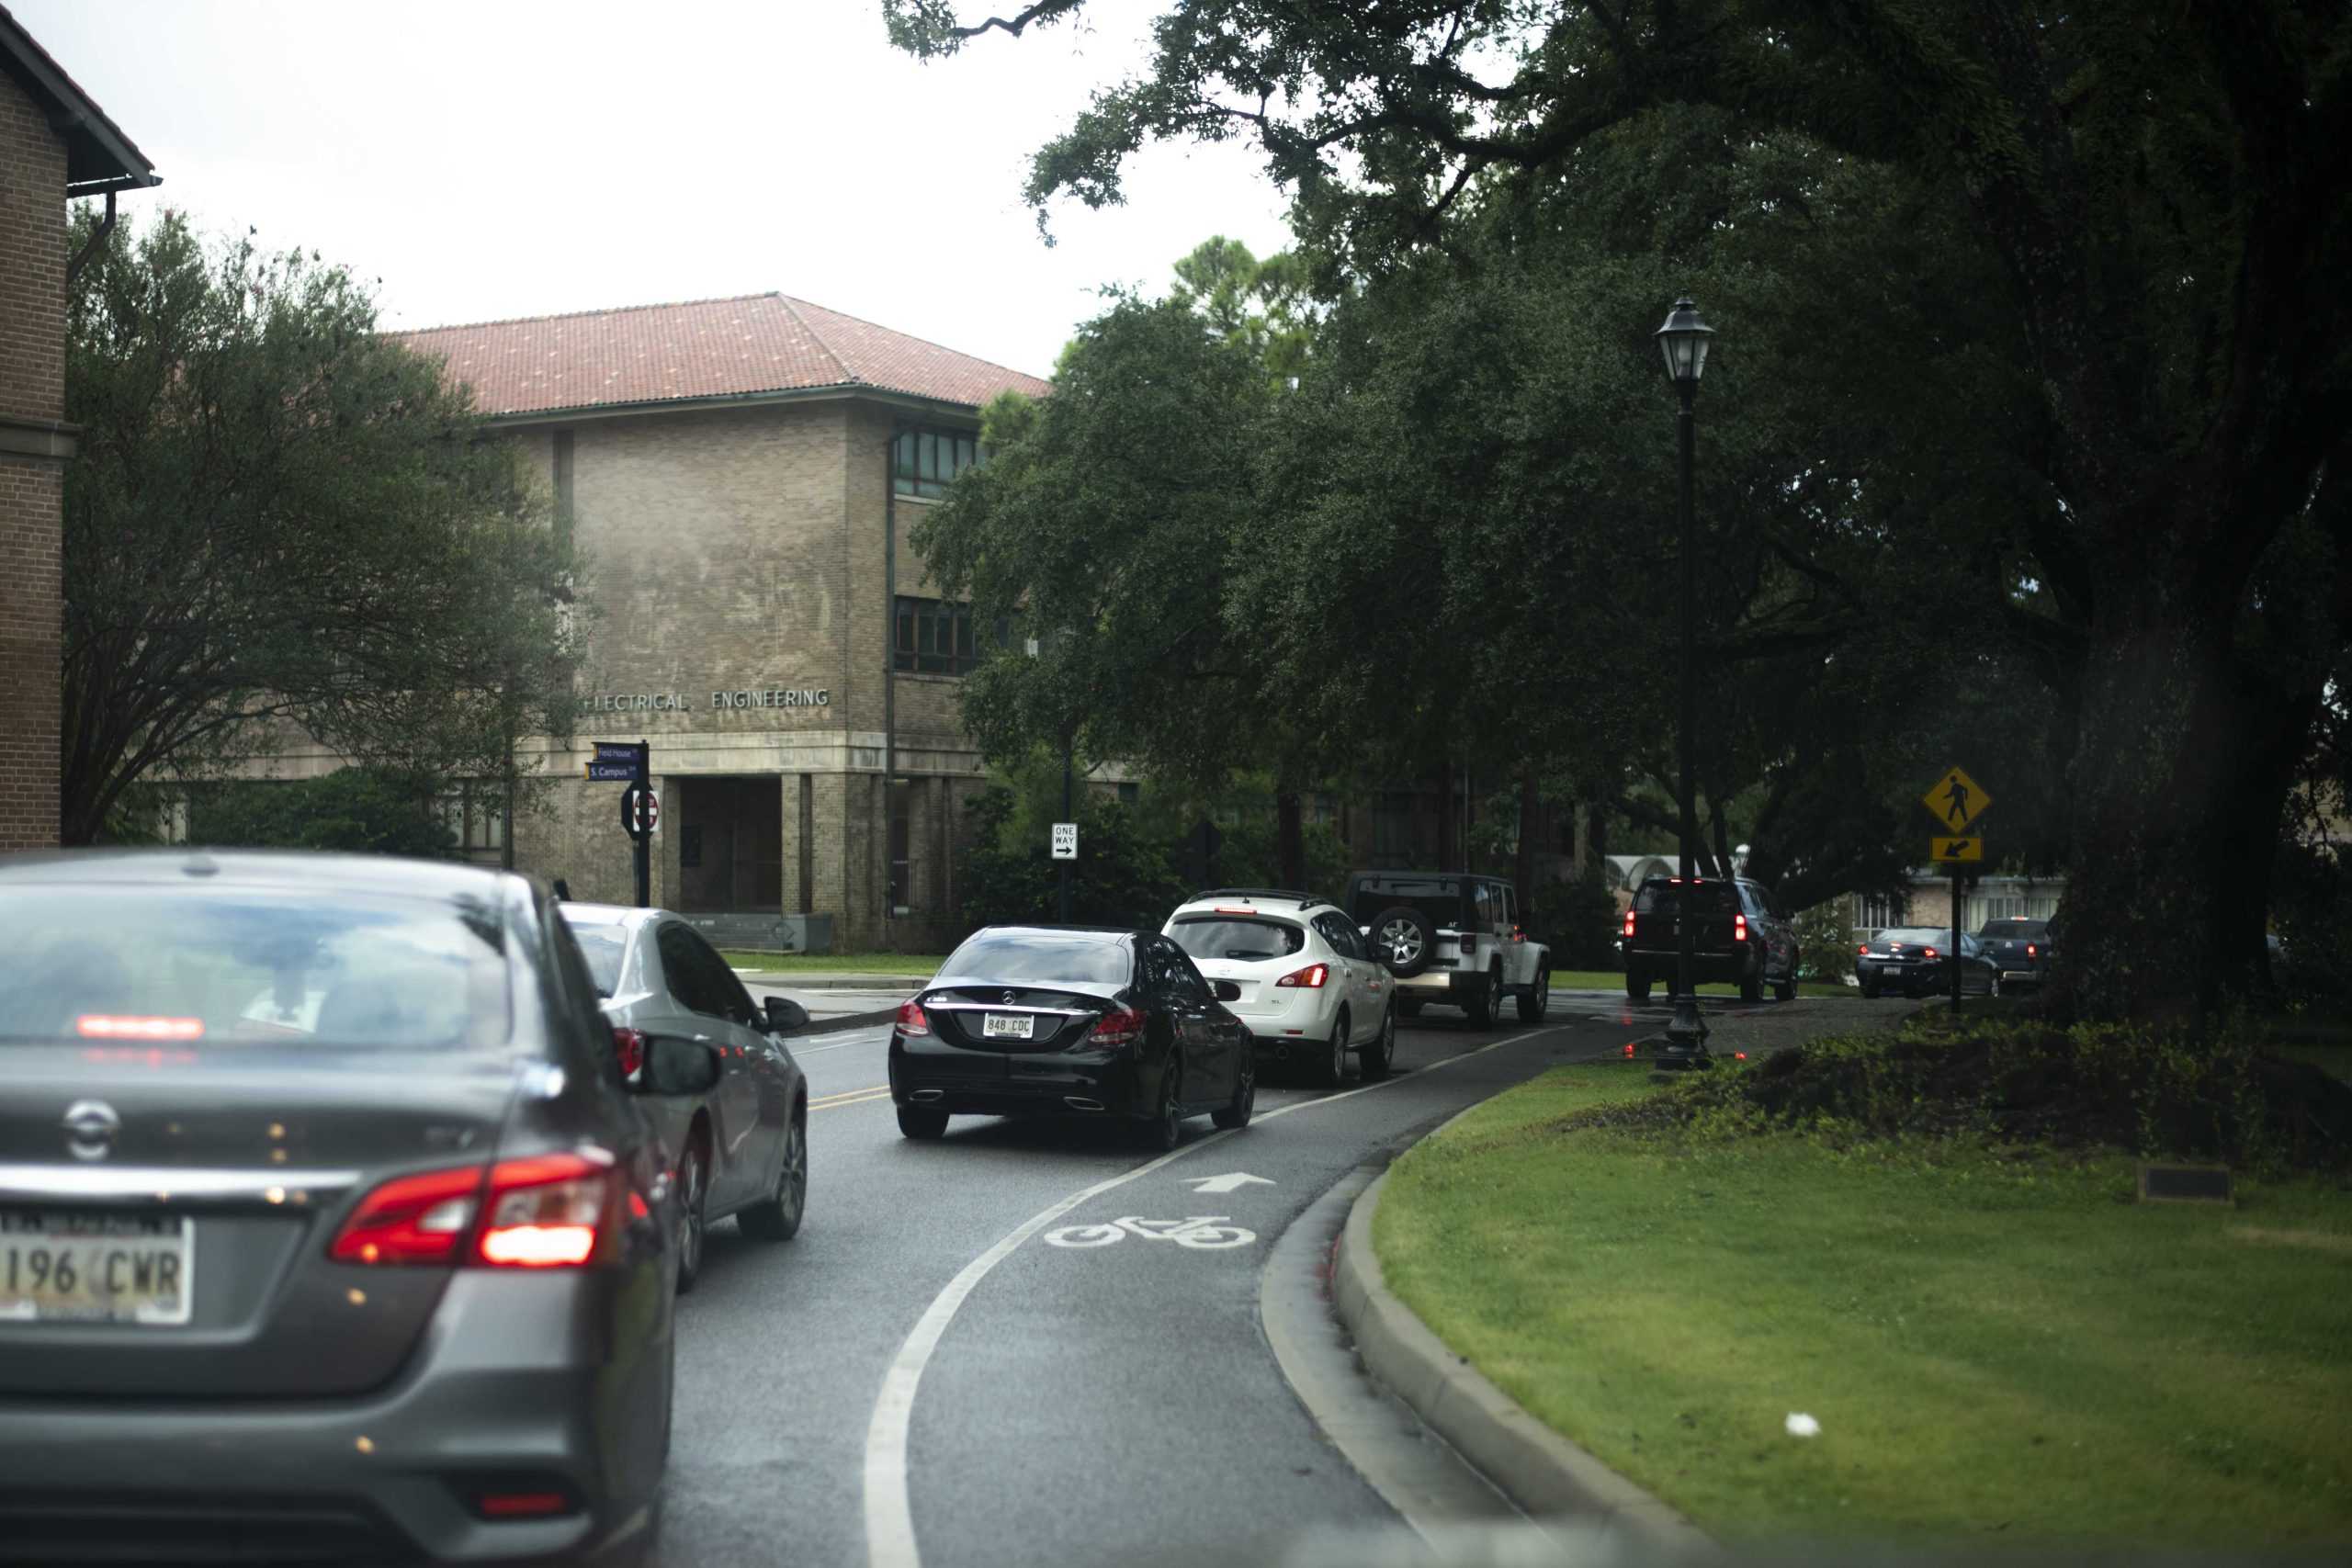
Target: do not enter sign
[(640, 810)]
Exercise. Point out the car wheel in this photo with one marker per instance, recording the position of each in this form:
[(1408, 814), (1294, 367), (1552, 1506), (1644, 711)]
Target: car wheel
[(1372, 1062), (1480, 1004), (1993, 984), (1751, 985), (1870, 989), (1404, 940), (777, 1217), (914, 1122), (1165, 1127), (1637, 985), (693, 1211), (1785, 988), (1332, 1070), (1536, 1000), (1235, 1113)]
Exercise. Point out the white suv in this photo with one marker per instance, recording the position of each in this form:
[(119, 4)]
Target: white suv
[(1311, 991)]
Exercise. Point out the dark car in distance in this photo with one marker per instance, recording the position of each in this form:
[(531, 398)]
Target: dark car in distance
[(1069, 1021), (329, 1229), (1743, 937), (2018, 948), (1916, 961)]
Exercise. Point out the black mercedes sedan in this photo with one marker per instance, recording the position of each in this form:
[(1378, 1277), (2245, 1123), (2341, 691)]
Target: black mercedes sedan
[(1069, 1021), (1916, 961), (329, 1228)]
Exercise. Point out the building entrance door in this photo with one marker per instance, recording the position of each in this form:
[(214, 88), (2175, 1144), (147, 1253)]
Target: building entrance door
[(730, 845)]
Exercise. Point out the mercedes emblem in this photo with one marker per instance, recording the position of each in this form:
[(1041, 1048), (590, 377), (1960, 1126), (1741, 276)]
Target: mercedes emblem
[(90, 1127)]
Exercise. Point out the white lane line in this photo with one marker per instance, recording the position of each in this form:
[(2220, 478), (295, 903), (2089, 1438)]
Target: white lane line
[(889, 1506)]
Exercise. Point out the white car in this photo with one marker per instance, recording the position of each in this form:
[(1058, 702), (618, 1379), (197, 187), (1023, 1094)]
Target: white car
[(1311, 991)]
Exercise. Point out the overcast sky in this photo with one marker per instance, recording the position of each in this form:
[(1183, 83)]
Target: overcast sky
[(522, 157)]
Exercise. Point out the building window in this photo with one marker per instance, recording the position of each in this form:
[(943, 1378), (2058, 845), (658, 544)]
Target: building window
[(936, 638), (476, 816), (1876, 911), (1130, 795), (924, 462)]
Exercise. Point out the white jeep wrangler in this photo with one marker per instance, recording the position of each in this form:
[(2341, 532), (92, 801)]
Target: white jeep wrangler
[(1453, 939)]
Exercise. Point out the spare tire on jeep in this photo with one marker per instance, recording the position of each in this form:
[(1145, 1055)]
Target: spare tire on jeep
[(1403, 939)]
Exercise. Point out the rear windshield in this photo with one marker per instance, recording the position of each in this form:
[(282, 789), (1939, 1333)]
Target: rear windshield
[(1042, 957), (1237, 937), (155, 965), (2014, 930), (1918, 936), (1662, 899), (603, 946)]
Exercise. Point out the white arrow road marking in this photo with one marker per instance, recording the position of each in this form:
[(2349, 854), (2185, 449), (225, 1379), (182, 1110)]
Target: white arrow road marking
[(1229, 1181)]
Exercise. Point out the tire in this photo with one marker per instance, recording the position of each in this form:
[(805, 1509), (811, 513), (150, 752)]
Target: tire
[(693, 1211), (1404, 940), (777, 1217), (1164, 1128), (1870, 989), (1637, 985), (1993, 986), (1332, 1070), (1785, 988), (1751, 985), (1536, 1000), (916, 1122), (1235, 1113), (1372, 1062), (1483, 1002)]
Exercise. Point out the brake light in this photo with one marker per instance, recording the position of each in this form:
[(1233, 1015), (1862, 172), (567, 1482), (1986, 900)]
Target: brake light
[(1123, 1027), (1629, 922), (1863, 950), (1629, 1048), (411, 1219), (1739, 928), (1927, 953), (2028, 950), (544, 1212), (107, 1026), (628, 1046), (911, 1018), (1311, 977)]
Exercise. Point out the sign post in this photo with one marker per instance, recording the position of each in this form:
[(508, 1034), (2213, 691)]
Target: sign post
[(1957, 800)]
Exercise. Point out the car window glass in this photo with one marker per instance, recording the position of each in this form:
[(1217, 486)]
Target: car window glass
[(1002, 956), (1194, 981), (1183, 981), (683, 972), (603, 946), (720, 981), (582, 991), (1238, 937)]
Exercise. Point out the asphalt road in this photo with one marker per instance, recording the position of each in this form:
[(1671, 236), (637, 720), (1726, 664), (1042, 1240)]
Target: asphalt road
[(964, 1358)]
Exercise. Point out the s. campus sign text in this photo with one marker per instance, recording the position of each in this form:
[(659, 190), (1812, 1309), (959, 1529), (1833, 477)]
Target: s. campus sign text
[(680, 702)]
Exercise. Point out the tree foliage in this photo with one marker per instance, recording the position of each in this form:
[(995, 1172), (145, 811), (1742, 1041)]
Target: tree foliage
[(283, 521), (364, 810)]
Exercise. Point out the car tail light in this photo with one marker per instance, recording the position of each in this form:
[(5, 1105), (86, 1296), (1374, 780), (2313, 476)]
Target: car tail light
[(411, 1219), (1863, 950), (2028, 950), (1629, 1048), (628, 1047), (1629, 923), (910, 1019), (522, 1505), (1312, 977), (1927, 953), (544, 1212), (1739, 928), (1122, 1027)]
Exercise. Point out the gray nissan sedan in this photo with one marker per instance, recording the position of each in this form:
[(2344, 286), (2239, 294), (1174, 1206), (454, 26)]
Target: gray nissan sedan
[(329, 1228)]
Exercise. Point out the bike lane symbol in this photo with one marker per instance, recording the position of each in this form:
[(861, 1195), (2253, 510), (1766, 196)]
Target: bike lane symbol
[(1201, 1232)]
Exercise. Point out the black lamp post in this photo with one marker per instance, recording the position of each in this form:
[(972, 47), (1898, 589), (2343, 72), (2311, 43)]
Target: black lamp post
[(1683, 341)]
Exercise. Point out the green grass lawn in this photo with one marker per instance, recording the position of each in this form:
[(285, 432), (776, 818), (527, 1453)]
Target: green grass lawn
[(1615, 980), (921, 964), (1998, 1350)]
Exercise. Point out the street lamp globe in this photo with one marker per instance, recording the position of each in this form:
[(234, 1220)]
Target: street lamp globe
[(1683, 341)]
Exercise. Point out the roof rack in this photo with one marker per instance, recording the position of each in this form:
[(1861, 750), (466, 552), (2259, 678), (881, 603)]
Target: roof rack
[(1291, 893)]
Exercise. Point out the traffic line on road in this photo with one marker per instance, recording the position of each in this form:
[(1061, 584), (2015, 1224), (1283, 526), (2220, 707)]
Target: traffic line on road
[(889, 1505), (849, 1097)]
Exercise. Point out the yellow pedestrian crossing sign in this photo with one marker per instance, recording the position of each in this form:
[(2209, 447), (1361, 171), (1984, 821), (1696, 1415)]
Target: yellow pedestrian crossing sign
[(1956, 800), (1956, 849)]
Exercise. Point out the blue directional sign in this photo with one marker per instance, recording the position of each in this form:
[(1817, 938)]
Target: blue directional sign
[(616, 751), (601, 772)]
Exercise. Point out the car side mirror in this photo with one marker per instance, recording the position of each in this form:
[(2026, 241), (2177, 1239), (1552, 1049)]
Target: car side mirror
[(784, 1015), (1227, 991), (677, 1066)]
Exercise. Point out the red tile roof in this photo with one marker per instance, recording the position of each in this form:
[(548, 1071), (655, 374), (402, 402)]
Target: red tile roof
[(703, 348)]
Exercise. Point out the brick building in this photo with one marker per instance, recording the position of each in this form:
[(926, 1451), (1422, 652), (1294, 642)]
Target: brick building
[(55, 145), (740, 476)]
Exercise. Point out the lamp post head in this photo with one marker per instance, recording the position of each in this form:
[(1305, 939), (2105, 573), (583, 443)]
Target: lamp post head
[(1683, 341)]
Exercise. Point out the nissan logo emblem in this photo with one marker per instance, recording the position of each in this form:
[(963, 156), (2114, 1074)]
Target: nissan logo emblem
[(90, 1127)]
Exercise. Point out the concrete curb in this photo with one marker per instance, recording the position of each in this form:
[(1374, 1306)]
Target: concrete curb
[(786, 980), (1538, 1469)]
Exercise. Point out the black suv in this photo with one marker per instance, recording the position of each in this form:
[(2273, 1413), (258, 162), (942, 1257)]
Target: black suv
[(1453, 938), (1744, 937)]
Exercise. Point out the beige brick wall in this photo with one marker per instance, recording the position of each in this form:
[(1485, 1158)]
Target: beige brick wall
[(32, 386)]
